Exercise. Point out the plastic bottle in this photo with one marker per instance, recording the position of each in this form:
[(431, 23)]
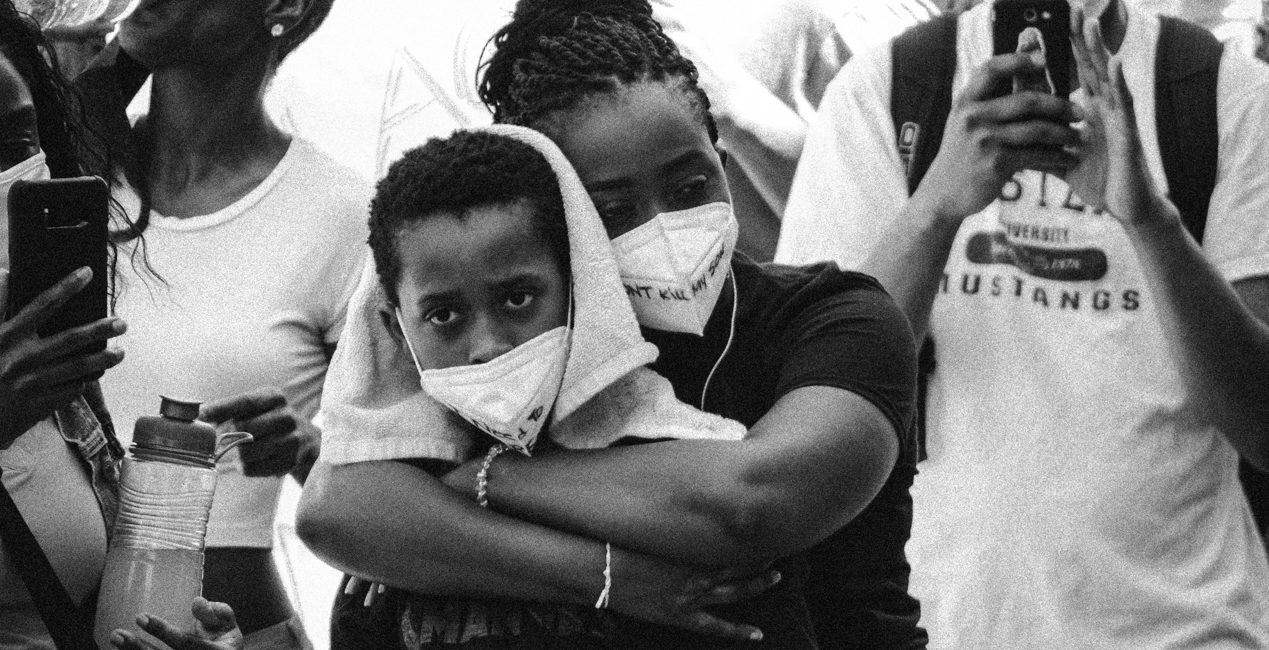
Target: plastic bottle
[(73, 13), (155, 561)]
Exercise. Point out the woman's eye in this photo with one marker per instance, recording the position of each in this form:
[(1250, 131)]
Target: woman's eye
[(692, 190), (617, 216), (441, 317), (519, 300)]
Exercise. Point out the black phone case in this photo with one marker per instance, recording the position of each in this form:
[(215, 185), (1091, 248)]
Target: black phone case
[(55, 227), (1053, 19)]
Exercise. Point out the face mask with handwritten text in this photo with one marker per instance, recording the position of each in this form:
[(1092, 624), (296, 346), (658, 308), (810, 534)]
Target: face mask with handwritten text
[(675, 265), (509, 397), (31, 169)]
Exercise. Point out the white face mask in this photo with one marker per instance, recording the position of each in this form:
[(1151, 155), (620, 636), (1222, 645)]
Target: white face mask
[(31, 169), (508, 397), (674, 266)]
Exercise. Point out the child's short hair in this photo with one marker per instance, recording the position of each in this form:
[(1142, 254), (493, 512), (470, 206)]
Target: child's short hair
[(468, 170)]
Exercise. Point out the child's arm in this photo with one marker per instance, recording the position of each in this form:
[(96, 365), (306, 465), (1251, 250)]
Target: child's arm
[(807, 468)]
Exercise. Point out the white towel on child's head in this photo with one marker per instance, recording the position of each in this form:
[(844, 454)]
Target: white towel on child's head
[(374, 409)]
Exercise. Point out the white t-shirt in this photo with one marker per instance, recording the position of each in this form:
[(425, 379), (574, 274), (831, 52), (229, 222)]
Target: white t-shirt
[(1069, 501), (249, 297)]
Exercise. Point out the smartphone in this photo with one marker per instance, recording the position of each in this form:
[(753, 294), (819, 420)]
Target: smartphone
[(1027, 25), (55, 227)]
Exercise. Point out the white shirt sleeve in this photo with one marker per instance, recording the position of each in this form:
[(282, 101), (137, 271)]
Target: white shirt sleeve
[(849, 182), (1236, 239)]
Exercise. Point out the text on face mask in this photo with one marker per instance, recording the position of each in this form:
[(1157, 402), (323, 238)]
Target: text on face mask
[(698, 285), (485, 428)]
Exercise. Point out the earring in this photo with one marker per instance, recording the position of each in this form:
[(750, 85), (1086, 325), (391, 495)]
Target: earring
[(277, 30)]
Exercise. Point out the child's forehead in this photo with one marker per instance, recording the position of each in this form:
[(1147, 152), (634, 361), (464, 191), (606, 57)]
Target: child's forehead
[(480, 239)]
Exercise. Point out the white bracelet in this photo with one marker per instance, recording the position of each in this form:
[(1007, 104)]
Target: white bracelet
[(602, 603), (482, 477)]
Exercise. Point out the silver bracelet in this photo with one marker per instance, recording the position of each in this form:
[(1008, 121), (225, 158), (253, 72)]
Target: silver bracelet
[(604, 595), (482, 477)]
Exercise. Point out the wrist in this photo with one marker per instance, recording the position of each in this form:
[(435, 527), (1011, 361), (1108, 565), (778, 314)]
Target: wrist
[(1158, 214), (932, 214), (483, 475)]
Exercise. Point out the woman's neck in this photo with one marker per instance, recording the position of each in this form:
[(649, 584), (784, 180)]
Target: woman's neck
[(210, 139)]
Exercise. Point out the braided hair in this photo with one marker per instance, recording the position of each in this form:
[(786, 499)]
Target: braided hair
[(454, 175), (555, 53)]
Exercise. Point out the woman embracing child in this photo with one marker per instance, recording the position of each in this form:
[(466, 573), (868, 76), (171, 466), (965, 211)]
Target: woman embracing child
[(497, 286)]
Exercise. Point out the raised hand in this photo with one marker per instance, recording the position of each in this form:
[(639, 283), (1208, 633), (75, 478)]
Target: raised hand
[(39, 375), (988, 139), (1111, 172)]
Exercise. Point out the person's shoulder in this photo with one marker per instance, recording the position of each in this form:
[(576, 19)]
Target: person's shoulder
[(785, 292), (321, 172), (330, 190)]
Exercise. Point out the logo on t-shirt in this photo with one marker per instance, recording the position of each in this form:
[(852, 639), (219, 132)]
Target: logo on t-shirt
[(1039, 229), (1065, 265)]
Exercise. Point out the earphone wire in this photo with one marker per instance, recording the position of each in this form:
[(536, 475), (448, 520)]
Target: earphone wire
[(731, 335)]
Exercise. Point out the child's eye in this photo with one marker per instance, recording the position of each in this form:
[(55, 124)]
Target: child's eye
[(519, 299), (441, 317)]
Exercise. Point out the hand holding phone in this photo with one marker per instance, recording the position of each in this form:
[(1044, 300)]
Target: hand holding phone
[(55, 227), (38, 374)]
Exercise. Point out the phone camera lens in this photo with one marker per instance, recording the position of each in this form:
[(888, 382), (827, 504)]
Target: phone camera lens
[(1030, 15)]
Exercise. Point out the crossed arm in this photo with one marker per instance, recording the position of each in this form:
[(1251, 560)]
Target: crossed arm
[(815, 461)]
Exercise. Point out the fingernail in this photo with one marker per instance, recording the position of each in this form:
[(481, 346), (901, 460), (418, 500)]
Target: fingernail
[(776, 577), (83, 273), (118, 326), (116, 637), (756, 635), (143, 620)]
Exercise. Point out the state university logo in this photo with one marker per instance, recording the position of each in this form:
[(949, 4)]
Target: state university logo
[(1058, 262)]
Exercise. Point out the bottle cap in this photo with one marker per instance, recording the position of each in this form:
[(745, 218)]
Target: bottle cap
[(178, 409), (176, 430)]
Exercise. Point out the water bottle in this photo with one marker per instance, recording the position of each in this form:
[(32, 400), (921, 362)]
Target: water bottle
[(73, 13), (155, 561)]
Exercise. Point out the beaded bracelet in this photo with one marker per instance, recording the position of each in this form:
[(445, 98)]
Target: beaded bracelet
[(602, 603), (482, 477)]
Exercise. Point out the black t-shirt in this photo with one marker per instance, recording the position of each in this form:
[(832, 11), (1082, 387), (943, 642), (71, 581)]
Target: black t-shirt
[(795, 327), (813, 326)]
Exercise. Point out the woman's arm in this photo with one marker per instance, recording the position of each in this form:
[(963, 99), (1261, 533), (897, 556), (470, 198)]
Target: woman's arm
[(812, 463), (455, 547), (422, 536)]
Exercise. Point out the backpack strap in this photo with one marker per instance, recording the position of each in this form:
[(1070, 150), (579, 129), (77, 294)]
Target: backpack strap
[(924, 64), (1187, 67), (68, 624)]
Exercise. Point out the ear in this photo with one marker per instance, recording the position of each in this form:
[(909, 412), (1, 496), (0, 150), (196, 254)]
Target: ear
[(389, 317), (286, 13)]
